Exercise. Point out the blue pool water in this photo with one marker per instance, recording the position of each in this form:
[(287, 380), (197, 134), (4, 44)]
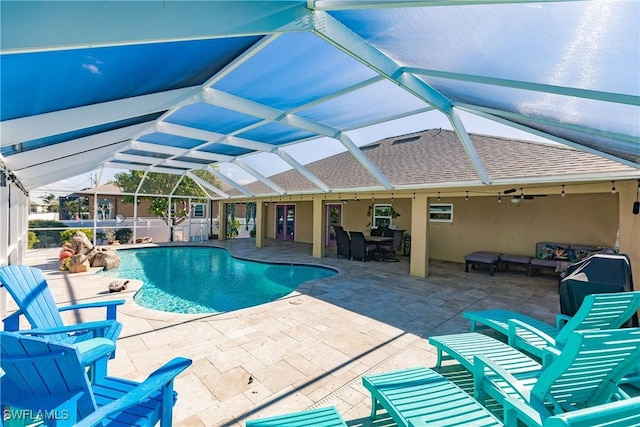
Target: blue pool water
[(208, 280)]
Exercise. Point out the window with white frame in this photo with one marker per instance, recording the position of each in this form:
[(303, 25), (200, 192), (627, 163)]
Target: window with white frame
[(441, 212), (382, 215)]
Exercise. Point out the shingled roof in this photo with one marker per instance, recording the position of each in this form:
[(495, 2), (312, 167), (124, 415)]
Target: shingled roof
[(436, 158)]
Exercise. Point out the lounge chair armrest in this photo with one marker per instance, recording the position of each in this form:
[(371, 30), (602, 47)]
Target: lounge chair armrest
[(12, 321), (95, 349), (88, 326), (160, 378), (515, 324), (596, 415), (110, 305), (517, 410), (483, 365), (561, 320), (549, 354)]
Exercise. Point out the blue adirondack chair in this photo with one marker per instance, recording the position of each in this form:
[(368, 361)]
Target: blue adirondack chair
[(48, 379), (28, 288)]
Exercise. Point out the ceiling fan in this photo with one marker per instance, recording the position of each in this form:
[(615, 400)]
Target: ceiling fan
[(516, 198)]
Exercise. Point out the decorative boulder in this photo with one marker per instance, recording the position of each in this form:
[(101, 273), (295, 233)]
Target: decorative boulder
[(107, 258), (79, 263), (81, 243)]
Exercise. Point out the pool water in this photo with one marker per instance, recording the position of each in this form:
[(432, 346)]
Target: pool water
[(208, 280)]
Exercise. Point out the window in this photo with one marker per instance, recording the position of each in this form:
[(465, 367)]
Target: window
[(198, 210), (441, 212), (104, 208), (382, 215)]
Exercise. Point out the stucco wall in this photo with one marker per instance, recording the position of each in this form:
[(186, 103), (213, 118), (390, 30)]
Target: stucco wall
[(481, 223), (304, 221), (355, 214)]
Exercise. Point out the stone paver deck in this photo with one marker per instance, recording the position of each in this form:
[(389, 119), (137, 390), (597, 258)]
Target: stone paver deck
[(306, 350)]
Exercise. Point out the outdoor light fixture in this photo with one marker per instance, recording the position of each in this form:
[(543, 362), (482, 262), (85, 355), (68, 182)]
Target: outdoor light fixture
[(499, 198), (562, 194), (613, 187), (515, 200), (467, 196)]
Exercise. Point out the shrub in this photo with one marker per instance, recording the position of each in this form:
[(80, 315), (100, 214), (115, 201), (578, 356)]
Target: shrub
[(46, 238), (32, 239), (66, 235), (123, 235)]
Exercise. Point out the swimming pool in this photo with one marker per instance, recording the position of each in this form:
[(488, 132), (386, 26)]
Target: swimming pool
[(191, 279)]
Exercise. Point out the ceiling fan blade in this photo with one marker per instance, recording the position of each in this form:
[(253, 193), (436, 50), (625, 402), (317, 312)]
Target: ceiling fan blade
[(509, 191)]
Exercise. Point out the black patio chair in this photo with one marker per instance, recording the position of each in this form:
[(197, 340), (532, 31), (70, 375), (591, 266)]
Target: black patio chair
[(389, 251), (343, 243), (360, 249)]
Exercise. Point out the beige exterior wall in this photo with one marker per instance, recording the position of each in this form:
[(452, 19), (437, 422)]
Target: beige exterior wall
[(355, 214), (630, 225), (304, 221), (481, 223)]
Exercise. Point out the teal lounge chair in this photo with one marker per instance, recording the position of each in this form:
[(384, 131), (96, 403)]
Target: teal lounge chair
[(48, 378), (585, 373), (420, 397), (598, 311), (321, 417)]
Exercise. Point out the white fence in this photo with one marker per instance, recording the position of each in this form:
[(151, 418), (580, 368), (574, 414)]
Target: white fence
[(191, 230)]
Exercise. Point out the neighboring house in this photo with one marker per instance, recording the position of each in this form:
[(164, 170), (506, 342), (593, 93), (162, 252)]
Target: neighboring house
[(561, 194)]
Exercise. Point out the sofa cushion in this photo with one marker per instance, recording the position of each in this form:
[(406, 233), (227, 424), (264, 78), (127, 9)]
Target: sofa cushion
[(552, 251)]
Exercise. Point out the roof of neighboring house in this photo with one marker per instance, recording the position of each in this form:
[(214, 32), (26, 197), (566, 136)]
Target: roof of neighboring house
[(436, 158), (102, 189)]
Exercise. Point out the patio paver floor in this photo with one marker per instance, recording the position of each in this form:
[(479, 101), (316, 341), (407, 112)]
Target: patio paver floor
[(306, 350)]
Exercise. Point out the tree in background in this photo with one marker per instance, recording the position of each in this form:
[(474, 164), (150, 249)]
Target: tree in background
[(51, 202), (181, 189)]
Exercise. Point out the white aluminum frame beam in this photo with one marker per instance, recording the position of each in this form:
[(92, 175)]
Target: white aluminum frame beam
[(211, 137), (304, 171), (207, 186), (116, 139), (61, 168), (489, 114), (242, 165), (468, 146), (63, 121), (618, 98), (255, 109), (343, 38), (176, 152), (222, 177)]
